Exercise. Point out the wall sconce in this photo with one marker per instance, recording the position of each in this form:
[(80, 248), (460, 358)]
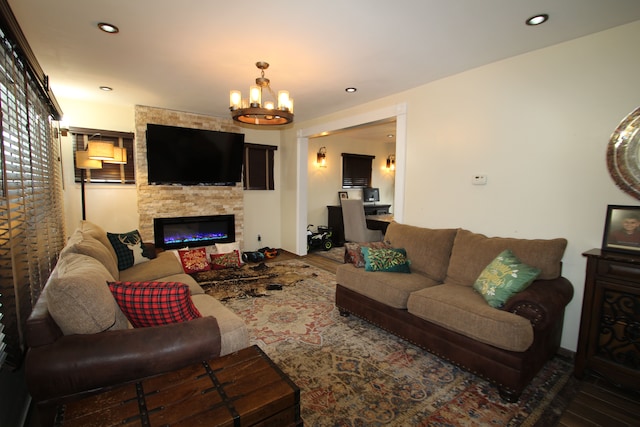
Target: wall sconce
[(391, 162), (321, 160)]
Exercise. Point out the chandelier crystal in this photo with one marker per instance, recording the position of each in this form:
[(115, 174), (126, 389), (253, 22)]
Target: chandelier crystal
[(255, 110)]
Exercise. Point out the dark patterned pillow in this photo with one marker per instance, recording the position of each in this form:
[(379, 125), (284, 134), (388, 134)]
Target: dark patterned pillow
[(353, 251), (386, 259), (194, 260), (148, 304), (227, 260), (129, 249)]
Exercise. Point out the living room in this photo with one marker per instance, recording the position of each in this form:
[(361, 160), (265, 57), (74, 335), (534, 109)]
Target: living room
[(536, 124)]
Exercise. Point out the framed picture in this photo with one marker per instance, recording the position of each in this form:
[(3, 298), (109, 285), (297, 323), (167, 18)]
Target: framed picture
[(622, 229), (343, 195)]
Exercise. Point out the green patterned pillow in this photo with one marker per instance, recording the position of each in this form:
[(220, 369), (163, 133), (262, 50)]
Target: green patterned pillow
[(504, 277), (385, 259)]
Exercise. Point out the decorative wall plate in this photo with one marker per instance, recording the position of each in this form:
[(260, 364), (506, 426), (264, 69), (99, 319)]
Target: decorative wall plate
[(623, 154)]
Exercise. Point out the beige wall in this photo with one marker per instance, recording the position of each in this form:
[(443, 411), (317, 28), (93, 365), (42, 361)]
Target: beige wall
[(537, 125)]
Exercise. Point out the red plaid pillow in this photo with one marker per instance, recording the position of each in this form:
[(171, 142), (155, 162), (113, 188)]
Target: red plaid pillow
[(194, 260), (228, 260), (154, 303)]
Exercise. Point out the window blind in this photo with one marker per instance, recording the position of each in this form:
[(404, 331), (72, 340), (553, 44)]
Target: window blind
[(356, 170), (31, 207), (110, 172)]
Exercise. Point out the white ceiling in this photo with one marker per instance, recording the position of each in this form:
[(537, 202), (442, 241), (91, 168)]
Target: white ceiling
[(186, 55)]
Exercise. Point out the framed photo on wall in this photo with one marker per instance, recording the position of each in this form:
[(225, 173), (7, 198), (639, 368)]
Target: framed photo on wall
[(343, 195), (622, 229)]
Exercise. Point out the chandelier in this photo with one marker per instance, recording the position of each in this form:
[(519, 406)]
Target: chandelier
[(256, 110)]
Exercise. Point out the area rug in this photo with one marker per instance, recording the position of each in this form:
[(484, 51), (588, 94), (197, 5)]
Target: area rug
[(252, 280), (335, 254), (352, 373)]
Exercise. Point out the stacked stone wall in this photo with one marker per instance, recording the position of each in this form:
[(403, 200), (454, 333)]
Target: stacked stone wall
[(168, 201)]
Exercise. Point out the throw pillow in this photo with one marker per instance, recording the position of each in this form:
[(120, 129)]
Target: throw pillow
[(353, 251), (228, 260), (148, 304), (504, 277), (386, 259), (194, 260), (129, 248), (225, 248)]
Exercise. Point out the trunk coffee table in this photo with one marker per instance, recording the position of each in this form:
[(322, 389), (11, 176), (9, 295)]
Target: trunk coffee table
[(241, 389)]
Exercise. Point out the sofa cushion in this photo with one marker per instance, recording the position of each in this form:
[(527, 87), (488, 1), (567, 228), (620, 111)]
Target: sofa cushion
[(233, 331), (353, 251), (194, 260), (472, 252), (78, 298), (393, 260), (165, 264), (504, 277), (100, 234), (427, 249), (461, 309), (85, 244), (391, 289), (194, 288), (130, 249), (149, 304)]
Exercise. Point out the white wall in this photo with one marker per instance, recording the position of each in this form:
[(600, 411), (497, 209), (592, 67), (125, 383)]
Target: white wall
[(537, 125), (324, 182)]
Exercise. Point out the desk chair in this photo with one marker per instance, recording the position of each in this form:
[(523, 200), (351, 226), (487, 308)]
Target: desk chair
[(355, 224)]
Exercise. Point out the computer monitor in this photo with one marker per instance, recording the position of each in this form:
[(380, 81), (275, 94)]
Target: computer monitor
[(370, 194)]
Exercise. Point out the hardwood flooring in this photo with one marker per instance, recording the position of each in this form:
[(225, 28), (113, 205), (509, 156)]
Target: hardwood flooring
[(597, 403)]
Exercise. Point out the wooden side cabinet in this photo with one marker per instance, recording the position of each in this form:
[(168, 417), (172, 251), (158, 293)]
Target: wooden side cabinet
[(609, 340)]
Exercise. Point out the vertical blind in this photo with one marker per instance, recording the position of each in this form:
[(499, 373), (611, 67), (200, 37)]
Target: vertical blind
[(31, 207)]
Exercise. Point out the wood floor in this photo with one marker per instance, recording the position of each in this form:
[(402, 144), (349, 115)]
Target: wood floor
[(596, 403)]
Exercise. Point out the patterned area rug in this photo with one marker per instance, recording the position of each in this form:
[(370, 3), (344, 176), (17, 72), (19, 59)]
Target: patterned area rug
[(352, 373), (335, 254), (252, 280)]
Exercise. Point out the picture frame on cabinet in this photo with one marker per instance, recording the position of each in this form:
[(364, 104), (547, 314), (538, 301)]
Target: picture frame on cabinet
[(343, 195), (622, 229)]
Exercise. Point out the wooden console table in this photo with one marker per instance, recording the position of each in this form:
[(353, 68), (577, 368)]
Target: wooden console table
[(609, 340), (337, 224), (241, 389)]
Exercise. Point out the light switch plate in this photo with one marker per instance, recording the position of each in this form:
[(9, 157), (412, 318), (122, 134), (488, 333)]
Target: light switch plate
[(479, 180)]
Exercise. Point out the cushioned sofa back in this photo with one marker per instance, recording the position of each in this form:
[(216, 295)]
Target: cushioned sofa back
[(472, 252), (428, 249)]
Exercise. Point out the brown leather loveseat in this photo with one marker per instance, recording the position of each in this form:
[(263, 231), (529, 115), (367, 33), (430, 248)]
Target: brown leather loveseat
[(436, 307)]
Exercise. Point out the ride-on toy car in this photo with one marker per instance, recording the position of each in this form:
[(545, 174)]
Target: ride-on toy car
[(320, 239)]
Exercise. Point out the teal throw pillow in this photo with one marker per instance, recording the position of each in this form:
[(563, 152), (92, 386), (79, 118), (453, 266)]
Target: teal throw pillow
[(385, 259), (504, 277)]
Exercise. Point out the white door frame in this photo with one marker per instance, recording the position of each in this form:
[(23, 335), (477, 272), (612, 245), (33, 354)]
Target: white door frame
[(399, 111)]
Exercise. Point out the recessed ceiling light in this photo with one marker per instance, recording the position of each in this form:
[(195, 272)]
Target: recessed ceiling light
[(108, 28), (350, 89), (106, 88), (537, 19)]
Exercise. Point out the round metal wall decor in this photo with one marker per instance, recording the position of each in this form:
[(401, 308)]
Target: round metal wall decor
[(623, 154)]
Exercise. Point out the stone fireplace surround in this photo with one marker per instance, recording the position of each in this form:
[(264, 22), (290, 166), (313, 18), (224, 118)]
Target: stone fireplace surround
[(169, 201)]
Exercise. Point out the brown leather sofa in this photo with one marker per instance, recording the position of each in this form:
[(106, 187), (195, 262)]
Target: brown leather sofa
[(80, 343), (436, 308)]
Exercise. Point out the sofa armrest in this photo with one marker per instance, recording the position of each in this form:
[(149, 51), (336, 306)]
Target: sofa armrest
[(79, 363), (542, 302)]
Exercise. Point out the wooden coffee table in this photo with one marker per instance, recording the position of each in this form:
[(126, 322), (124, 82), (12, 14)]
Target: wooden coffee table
[(241, 389)]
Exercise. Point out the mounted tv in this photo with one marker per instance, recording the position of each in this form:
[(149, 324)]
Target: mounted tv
[(370, 194), (186, 156)]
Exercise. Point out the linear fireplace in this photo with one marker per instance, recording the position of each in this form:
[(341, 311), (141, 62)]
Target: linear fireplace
[(174, 233)]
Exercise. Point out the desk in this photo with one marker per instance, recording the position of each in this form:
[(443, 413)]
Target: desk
[(379, 222), (337, 225)]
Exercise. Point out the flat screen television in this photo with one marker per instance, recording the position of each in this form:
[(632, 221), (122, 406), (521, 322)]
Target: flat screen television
[(185, 156), (371, 194)]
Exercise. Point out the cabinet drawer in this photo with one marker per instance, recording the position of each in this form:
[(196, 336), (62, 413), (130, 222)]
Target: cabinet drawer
[(613, 269)]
